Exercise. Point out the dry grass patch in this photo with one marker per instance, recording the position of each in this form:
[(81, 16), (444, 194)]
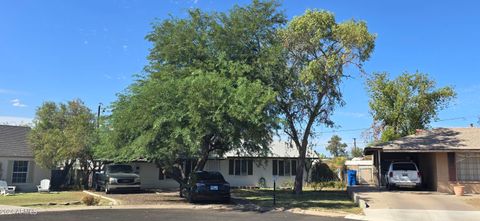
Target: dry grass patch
[(327, 200), (45, 199)]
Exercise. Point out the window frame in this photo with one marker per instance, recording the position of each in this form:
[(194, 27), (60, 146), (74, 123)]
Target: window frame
[(467, 166), (15, 179), (240, 167), (284, 167)]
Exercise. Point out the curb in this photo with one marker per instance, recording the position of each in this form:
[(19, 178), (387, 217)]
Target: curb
[(243, 207), (198, 207), (357, 198), (113, 202)]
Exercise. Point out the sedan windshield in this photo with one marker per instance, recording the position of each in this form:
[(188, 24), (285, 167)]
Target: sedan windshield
[(120, 169), (404, 166)]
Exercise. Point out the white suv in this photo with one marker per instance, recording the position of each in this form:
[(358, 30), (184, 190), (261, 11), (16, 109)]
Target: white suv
[(403, 174)]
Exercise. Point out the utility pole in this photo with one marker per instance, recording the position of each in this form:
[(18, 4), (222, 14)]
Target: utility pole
[(98, 114), (355, 143)]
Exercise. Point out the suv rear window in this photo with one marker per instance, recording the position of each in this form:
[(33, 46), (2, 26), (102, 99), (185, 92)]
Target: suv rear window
[(209, 176), (404, 166)]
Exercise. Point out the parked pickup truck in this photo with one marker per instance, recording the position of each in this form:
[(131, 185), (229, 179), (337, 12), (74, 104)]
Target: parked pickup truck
[(116, 177)]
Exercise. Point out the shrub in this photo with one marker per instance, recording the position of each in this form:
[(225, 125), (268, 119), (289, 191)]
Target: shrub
[(287, 185), (321, 172), (90, 200), (318, 186)]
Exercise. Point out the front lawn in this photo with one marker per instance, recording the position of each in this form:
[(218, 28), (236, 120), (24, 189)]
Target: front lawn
[(326, 200), (44, 199)]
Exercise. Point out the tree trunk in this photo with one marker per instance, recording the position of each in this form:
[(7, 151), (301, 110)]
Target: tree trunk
[(206, 148), (65, 172), (300, 169)]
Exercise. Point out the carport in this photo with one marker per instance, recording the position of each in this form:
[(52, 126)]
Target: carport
[(446, 157), (426, 162)]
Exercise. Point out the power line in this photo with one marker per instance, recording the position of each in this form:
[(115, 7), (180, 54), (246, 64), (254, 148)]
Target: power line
[(367, 128), (345, 130), (457, 118)]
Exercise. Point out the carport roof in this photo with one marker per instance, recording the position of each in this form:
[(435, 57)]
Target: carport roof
[(436, 140)]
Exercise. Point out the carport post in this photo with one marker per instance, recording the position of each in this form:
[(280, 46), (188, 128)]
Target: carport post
[(379, 170)]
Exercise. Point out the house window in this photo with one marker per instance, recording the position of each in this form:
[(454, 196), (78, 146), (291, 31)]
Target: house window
[(281, 168), (240, 167), (294, 167), (20, 171), (274, 167), (468, 166), (250, 167), (287, 167), (284, 167)]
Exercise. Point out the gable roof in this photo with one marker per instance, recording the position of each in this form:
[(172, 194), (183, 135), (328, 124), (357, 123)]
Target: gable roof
[(278, 149), (436, 140), (13, 141)]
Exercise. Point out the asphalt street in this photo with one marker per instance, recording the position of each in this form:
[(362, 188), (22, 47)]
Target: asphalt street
[(164, 215)]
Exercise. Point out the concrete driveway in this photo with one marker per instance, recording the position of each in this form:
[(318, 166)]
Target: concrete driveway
[(418, 205)]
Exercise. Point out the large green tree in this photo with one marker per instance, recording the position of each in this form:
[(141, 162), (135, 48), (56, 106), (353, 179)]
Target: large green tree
[(336, 147), (318, 50), (63, 134), (402, 105), (203, 92)]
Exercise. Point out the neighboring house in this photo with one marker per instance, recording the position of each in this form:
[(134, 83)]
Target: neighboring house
[(239, 170), (17, 165), (365, 170), (445, 157)]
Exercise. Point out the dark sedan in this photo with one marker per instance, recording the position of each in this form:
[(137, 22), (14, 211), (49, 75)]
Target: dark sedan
[(206, 186)]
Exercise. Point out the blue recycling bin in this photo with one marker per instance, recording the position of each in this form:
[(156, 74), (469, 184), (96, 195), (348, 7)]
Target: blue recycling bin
[(352, 177)]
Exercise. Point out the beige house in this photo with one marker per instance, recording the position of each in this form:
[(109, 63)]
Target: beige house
[(239, 170), (17, 165), (445, 157)]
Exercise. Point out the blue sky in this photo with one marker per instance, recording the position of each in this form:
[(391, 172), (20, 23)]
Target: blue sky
[(61, 50)]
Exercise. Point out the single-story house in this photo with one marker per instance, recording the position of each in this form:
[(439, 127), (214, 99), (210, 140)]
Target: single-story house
[(445, 157), (17, 164), (238, 169)]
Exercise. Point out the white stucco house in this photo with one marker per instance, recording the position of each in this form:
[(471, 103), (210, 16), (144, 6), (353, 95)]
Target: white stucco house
[(17, 164), (239, 170)]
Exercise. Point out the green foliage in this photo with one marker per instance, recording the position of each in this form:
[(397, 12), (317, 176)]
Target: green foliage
[(319, 186), (357, 152), (336, 147), (317, 49), (287, 185), (405, 104), (62, 133), (204, 92), (322, 172), (338, 162)]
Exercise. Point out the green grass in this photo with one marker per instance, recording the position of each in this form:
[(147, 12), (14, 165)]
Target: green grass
[(326, 200), (42, 199)]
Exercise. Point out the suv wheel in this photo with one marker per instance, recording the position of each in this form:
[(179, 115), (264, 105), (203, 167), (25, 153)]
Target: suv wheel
[(107, 189), (190, 198), (97, 187)]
